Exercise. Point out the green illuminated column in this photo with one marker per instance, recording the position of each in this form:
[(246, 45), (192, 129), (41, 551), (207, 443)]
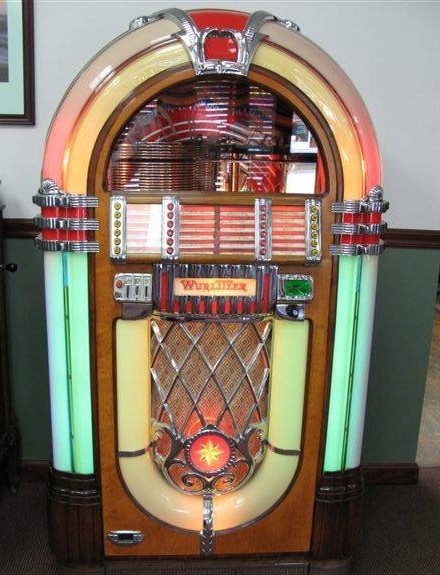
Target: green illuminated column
[(343, 354), (79, 355), (364, 333), (58, 367)]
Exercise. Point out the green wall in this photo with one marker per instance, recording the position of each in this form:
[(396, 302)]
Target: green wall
[(406, 293), (27, 347), (404, 315)]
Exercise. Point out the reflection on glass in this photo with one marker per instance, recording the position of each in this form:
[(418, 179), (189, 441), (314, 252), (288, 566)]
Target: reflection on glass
[(215, 135)]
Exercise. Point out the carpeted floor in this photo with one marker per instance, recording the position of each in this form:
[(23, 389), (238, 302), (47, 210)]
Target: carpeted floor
[(401, 533), (428, 450)]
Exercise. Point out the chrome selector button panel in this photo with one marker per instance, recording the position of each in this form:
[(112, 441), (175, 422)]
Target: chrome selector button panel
[(133, 288)]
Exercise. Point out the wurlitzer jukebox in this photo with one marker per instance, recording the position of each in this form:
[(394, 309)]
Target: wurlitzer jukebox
[(211, 218)]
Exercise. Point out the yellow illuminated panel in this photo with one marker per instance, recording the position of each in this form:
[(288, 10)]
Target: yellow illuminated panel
[(158, 497), (84, 136), (322, 96)]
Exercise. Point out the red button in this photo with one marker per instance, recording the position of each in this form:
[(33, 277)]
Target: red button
[(119, 284), (170, 251)]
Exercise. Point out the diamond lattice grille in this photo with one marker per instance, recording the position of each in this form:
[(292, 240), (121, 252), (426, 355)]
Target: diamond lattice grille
[(209, 373)]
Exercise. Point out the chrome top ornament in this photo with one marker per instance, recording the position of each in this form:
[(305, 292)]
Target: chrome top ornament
[(194, 39)]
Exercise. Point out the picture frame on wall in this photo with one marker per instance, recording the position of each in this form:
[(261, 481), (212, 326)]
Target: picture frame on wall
[(17, 88)]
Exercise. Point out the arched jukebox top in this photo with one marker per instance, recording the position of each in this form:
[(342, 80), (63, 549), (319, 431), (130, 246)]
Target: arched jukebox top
[(227, 159)]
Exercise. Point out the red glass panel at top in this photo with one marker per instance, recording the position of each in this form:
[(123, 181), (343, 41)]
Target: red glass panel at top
[(220, 48), (220, 19)]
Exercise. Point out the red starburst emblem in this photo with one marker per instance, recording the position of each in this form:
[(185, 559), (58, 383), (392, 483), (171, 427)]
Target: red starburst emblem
[(209, 453)]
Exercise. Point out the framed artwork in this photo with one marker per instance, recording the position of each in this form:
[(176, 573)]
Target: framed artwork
[(17, 62)]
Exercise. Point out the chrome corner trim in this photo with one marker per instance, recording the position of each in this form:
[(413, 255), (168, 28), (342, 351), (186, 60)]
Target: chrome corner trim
[(357, 249), (349, 229), (263, 225), (118, 228), (313, 234), (372, 203), (73, 246), (170, 228), (194, 39), (125, 537), (207, 536), (49, 187), (282, 297), (289, 24), (65, 224), (133, 287), (291, 311), (143, 21), (51, 196), (247, 42)]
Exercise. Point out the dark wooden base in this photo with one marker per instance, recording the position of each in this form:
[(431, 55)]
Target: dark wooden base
[(74, 510), (337, 515), (236, 566), (76, 534)]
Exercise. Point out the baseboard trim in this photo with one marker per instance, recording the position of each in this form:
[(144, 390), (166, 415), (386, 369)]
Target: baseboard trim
[(22, 228), (391, 473), (407, 238), (19, 228)]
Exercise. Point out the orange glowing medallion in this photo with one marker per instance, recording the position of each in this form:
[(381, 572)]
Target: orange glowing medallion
[(209, 453)]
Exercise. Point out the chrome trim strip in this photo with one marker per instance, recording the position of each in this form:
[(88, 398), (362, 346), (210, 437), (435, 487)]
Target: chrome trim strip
[(207, 536), (75, 246), (372, 203), (64, 201), (313, 231), (357, 249), (263, 215), (170, 227), (65, 224), (358, 229), (118, 228), (51, 196)]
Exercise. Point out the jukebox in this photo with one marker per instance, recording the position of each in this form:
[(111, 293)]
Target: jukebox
[(210, 219)]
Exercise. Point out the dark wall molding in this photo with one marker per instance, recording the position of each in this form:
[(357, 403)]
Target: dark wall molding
[(406, 238), (21, 228), (374, 473)]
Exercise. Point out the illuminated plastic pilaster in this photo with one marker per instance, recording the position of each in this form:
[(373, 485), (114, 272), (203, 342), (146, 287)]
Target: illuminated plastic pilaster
[(79, 350), (364, 334), (343, 356), (58, 372)]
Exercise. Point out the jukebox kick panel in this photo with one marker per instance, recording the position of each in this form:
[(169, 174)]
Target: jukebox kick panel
[(225, 381)]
